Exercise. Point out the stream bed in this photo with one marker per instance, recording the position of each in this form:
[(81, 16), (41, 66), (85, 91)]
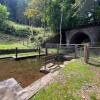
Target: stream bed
[(25, 71)]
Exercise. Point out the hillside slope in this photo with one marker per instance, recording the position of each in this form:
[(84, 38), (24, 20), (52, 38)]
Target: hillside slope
[(8, 41), (5, 38)]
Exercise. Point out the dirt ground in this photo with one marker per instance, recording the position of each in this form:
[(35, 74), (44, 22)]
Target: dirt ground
[(24, 71)]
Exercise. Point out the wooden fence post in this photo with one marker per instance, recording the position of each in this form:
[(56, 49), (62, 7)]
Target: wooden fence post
[(75, 51), (58, 49), (58, 54), (16, 52), (46, 54), (86, 53), (39, 51), (46, 51), (23, 41)]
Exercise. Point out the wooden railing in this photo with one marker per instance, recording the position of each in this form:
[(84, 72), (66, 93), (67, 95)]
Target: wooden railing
[(18, 51), (12, 51), (73, 49)]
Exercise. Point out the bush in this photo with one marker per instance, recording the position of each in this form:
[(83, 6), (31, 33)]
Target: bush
[(36, 35), (15, 29), (3, 13)]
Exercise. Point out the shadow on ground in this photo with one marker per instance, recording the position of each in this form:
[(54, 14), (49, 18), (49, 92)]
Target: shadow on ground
[(96, 63)]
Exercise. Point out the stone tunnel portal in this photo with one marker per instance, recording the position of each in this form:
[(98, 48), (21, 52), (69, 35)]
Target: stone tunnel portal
[(80, 38)]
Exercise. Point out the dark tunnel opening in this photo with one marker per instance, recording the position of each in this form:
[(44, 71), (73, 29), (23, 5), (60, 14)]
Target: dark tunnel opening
[(63, 38), (56, 39), (80, 38)]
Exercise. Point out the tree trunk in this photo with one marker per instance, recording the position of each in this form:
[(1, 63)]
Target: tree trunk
[(61, 25), (61, 28)]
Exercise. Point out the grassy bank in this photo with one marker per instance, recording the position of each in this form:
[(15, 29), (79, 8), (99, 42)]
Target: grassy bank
[(11, 46), (74, 82)]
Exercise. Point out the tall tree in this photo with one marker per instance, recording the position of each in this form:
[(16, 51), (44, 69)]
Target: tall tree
[(55, 11), (34, 11), (62, 8), (16, 9), (3, 13)]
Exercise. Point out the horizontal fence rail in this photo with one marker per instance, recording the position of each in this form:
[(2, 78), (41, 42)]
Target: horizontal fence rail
[(86, 51), (66, 51), (51, 45), (12, 51)]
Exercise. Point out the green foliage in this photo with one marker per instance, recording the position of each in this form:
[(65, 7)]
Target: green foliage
[(15, 29), (3, 13), (54, 11), (35, 11), (48, 12), (16, 9), (11, 46), (33, 34), (39, 38), (97, 13)]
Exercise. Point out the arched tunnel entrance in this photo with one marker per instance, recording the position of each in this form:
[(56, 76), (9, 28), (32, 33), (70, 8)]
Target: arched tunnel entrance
[(80, 38)]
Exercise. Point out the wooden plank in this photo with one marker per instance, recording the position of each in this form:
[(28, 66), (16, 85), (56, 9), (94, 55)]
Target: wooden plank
[(16, 53)]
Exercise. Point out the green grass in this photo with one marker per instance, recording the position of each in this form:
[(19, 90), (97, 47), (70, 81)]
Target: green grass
[(20, 46), (95, 57), (12, 32), (11, 45), (52, 50), (68, 83)]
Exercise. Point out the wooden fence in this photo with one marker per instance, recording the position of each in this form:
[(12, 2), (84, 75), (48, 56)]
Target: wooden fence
[(17, 51), (74, 50), (64, 49)]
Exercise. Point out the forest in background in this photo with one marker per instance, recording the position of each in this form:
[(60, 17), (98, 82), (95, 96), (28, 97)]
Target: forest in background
[(23, 10), (16, 9), (40, 12), (37, 19)]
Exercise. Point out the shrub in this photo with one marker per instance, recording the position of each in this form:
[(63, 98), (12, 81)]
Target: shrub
[(15, 29), (36, 35), (3, 13)]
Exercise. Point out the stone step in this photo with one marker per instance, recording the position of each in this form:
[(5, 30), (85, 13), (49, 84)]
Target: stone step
[(56, 69), (53, 67), (49, 68), (49, 65), (9, 89)]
